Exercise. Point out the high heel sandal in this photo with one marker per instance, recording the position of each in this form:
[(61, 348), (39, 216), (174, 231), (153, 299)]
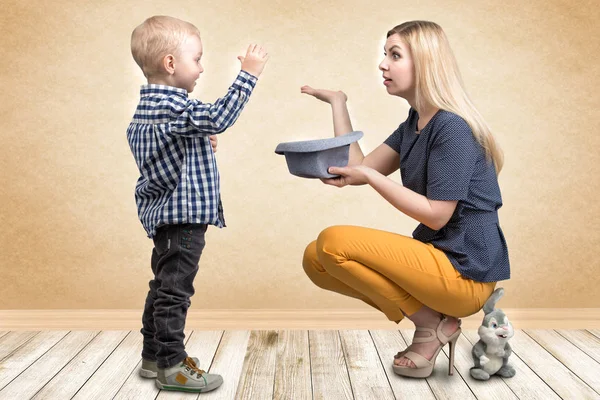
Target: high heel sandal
[(400, 354), (424, 367)]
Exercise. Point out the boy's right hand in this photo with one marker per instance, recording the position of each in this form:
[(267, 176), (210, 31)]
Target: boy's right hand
[(255, 60), (328, 96)]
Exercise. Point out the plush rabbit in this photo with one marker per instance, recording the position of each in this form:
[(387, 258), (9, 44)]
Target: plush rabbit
[(491, 352)]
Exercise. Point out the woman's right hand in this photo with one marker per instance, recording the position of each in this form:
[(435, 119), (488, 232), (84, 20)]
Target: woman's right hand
[(328, 96)]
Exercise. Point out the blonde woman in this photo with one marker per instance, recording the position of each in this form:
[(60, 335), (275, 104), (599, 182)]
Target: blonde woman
[(449, 162)]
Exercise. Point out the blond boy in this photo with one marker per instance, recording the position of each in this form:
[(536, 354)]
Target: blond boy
[(172, 138)]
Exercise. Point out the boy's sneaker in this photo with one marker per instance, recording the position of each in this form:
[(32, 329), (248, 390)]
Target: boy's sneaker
[(187, 377), (150, 369)]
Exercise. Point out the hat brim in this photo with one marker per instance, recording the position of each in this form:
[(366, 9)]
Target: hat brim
[(307, 146)]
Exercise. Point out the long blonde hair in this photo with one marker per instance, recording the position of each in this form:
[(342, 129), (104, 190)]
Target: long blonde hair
[(438, 81)]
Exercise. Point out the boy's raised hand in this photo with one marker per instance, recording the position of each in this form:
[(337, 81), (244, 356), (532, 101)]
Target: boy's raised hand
[(255, 60)]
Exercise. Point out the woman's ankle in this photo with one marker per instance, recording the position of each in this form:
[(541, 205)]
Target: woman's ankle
[(426, 318)]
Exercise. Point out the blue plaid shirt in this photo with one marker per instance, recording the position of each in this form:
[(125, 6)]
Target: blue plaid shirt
[(169, 138)]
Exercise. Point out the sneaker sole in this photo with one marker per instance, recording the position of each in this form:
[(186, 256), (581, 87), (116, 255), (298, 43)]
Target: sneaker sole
[(208, 388), (145, 373)]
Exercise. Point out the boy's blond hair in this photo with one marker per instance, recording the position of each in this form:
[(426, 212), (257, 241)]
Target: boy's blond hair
[(157, 37)]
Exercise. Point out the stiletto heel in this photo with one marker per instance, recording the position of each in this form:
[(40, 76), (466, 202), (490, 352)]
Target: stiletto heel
[(452, 344), (424, 367)]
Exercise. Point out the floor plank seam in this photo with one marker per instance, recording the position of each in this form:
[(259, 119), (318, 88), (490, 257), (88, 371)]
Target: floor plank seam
[(563, 364), (312, 386), (346, 363), (63, 367), (381, 362), (100, 365), (212, 360), (276, 363), (33, 362), (575, 344), (594, 333), (21, 345)]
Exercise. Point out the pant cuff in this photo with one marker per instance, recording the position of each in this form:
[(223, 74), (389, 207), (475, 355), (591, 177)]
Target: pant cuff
[(173, 361), (411, 306)]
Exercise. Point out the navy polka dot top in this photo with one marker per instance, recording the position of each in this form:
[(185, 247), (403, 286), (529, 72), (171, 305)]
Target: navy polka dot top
[(445, 162)]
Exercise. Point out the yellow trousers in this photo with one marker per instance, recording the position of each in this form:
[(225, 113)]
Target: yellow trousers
[(395, 274)]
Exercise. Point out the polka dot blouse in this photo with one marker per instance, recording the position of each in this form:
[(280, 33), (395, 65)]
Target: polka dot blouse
[(445, 162)]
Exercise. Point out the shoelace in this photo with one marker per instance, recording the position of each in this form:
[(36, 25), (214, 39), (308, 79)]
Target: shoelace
[(191, 367)]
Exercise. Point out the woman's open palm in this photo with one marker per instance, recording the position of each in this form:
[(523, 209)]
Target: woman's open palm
[(328, 96)]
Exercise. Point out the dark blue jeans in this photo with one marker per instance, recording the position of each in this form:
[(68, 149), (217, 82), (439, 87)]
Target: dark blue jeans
[(175, 257)]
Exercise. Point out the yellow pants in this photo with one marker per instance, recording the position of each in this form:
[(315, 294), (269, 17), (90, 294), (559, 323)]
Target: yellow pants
[(391, 272)]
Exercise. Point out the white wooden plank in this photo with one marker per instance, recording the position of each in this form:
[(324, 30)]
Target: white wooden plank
[(444, 386), (463, 362), (228, 362), (79, 369), (114, 371), (595, 332), (367, 376), (136, 387), (553, 372), (2, 333), (19, 360), (583, 339), (292, 372), (44, 368), (328, 366), (258, 373), (525, 384), (11, 342), (582, 365), (388, 344)]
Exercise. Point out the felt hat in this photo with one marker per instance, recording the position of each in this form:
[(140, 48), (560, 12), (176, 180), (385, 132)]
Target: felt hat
[(312, 158)]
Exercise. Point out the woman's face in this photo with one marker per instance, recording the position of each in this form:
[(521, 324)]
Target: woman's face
[(398, 68)]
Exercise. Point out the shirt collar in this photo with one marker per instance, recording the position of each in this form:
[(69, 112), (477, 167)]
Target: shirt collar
[(153, 89)]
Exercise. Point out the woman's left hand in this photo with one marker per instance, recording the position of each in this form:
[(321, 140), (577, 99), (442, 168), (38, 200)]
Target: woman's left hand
[(213, 142), (351, 175)]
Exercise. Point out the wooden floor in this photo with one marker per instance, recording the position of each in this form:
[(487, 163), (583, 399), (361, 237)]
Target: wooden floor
[(295, 365)]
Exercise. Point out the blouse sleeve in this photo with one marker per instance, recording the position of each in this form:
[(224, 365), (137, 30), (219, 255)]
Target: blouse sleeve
[(451, 163), (395, 139)]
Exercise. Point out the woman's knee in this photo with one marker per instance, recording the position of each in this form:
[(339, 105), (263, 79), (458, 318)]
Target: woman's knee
[(310, 262), (330, 236), (324, 253), (331, 243)]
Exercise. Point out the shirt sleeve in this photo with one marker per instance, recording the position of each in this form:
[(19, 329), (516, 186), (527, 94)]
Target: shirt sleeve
[(395, 139), (194, 118), (451, 163)]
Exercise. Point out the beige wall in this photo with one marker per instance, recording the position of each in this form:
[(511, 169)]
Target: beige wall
[(70, 236)]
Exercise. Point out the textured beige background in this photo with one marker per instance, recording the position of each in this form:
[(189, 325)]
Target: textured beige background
[(69, 234)]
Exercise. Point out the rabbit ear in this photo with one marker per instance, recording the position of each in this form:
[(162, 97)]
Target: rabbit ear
[(489, 305)]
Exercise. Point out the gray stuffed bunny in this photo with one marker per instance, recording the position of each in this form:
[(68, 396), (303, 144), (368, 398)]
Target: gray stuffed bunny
[(491, 352)]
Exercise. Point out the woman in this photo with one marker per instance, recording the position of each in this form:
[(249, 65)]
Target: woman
[(449, 163)]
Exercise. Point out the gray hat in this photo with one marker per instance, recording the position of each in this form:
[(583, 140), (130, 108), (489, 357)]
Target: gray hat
[(312, 158)]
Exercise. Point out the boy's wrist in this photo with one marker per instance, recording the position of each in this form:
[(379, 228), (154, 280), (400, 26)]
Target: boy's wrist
[(249, 73)]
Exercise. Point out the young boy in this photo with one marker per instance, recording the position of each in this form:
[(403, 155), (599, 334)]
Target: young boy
[(172, 139)]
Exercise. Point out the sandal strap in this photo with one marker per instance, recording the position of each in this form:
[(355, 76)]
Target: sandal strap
[(424, 339), (417, 359), (440, 335), (400, 353)]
